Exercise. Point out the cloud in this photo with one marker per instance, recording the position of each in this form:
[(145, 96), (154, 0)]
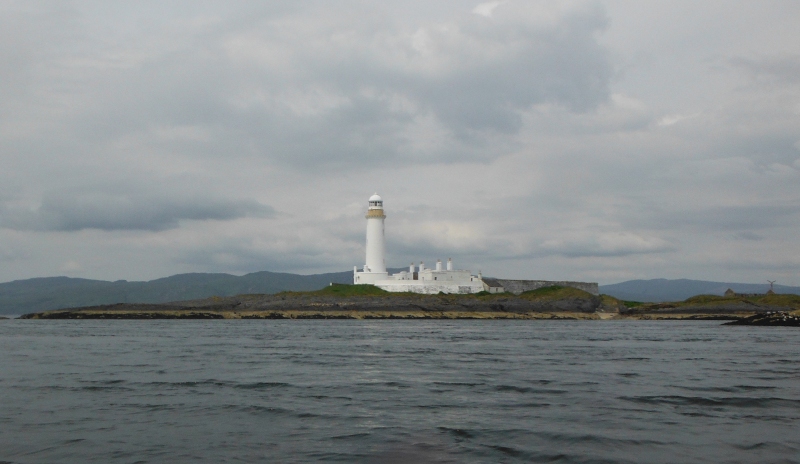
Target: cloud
[(747, 235), (486, 9), (672, 119), (92, 209), (607, 245), (71, 267), (297, 89), (576, 139), (743, 219), (771, 68)]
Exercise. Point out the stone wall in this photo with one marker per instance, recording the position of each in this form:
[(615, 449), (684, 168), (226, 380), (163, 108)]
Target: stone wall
[(518, 286)]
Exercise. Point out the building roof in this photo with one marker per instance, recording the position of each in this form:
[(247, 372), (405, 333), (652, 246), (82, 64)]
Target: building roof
[(493, 283)]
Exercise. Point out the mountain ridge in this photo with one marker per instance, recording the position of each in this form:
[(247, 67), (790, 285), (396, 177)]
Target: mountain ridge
[(48, 293), (659, 290)]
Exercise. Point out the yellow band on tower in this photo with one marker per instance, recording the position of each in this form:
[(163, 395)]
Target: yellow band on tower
[(375, 213)]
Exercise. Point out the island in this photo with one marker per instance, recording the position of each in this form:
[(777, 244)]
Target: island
[(339, 301)]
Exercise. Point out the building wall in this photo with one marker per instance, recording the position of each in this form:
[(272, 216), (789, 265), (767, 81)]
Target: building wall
[(457, 276), (376, 245), (518, 286), (368, 277), (429, 288)]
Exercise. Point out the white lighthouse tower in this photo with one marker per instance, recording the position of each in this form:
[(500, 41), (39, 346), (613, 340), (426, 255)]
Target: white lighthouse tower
[(375, 267), (417, 280), (376, 245)]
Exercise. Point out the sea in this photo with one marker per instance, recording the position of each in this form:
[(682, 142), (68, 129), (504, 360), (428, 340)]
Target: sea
[(398, 391)]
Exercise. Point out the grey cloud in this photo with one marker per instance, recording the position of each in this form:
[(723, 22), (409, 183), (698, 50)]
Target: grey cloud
[(481, 92), (744, 219), (72, 211), (589, 251), (402, 254), (242, 256), (504, 250), (562, 65), (762, 148), (747, 235), (606, 245), (486, 73), (770, 68), (515, 127), (30, 34)]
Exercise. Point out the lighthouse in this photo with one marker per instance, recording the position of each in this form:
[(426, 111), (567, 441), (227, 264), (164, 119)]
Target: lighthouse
[(375, 265), (432, 280), (421, 280), (376, 245)]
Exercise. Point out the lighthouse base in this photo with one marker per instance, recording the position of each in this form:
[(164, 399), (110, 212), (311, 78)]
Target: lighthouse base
[(426, 281), (371, 278)]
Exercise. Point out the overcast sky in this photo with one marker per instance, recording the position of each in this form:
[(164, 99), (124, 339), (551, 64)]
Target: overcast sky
[(600, 141)]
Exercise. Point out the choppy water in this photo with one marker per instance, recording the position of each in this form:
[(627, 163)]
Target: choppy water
[(397, 391)]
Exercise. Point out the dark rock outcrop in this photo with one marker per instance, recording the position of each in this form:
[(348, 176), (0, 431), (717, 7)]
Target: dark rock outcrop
[(771, 318)]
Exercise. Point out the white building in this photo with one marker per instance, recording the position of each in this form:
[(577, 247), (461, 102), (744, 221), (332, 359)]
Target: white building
[(417, 280)]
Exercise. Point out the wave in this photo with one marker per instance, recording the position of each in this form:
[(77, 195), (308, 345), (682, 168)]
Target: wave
[(548, 391), (733, 401), (732, 389)]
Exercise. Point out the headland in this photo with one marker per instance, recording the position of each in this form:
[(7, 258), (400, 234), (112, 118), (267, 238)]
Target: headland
[(370, 302)]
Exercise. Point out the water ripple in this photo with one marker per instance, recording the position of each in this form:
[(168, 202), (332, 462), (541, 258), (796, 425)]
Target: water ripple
[(397, 391)]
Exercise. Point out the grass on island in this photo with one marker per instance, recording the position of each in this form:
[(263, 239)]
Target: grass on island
[(340, 290), (554, 292), (544, 294), (783, 299), (789, 301), (632, 304), (609, 301), (350, 290), (709, 299)]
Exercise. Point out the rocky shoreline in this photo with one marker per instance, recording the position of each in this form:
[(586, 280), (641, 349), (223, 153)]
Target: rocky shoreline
[(337, 303), (312, 306), (772, 318)]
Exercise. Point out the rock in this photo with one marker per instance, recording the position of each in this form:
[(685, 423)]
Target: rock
[(771, 318)]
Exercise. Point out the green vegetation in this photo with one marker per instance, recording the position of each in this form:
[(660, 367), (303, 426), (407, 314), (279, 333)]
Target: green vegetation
[(786, 299), (544, 290), (350, 290), (721, 303), (632, 304), (554, 292), (545, 295), (705, 299)]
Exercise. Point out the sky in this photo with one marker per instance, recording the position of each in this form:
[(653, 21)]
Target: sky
[(596, 141)]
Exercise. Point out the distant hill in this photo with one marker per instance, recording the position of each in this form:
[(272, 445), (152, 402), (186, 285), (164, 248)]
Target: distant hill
[(42, 294), (657, 290), (46, 293)]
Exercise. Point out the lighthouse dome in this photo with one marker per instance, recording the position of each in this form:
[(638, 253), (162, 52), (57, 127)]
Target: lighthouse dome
[(376, 203)]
